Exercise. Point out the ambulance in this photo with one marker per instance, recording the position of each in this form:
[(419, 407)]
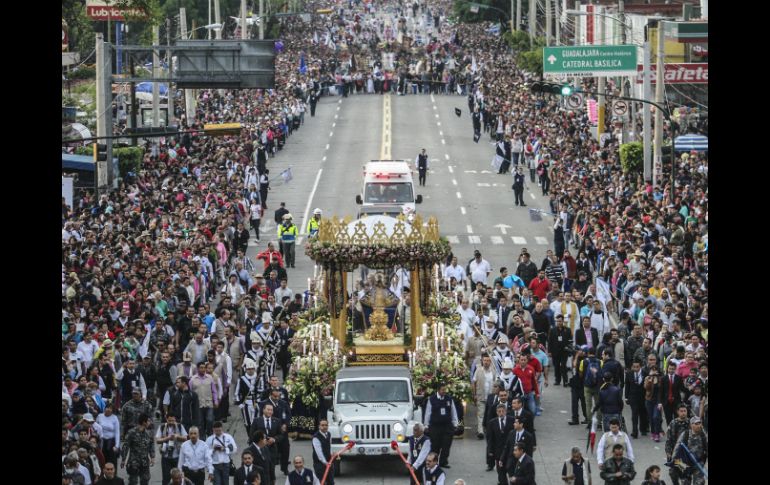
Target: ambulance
[(389, 183)]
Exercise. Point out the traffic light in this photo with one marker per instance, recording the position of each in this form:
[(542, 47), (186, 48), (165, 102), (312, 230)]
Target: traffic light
[(100, 152), (552, 88)]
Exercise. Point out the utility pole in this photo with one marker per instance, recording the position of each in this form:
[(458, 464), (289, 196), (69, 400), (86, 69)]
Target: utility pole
[(244, 27), (518, 14), (532, 21), (169, 91), (557, 18), (156, 75), (216, 20), (189, 94), (512, 21), (132, 115), (624, 88), (261, 19), (103, 170), (602, 85), (658, 163), (548, 22), (646, 115)]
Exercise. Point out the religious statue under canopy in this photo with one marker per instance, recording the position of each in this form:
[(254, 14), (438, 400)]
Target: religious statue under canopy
[(379, 304)]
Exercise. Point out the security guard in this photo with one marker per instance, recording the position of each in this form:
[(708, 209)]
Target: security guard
[(312, 224), (419, 447), (288, 234), (441, 420), (422, 166), (518, 187)]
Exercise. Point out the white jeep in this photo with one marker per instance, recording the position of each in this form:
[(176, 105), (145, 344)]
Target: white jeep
[(372, 406)]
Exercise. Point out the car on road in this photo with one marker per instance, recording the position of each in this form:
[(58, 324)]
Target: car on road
[(371, 406)]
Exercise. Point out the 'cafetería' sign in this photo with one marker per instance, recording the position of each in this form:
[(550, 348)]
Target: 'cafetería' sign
[(684, 73), (103, 10)]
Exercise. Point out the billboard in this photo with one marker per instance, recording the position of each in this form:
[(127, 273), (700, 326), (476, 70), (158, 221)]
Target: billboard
[(679, 73), (106, 10)]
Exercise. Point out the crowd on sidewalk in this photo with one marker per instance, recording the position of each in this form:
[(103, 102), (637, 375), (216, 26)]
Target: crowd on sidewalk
[(166, 322)]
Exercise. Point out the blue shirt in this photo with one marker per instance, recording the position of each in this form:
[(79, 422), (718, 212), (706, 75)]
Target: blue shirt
[(209, 320), (541, 356)]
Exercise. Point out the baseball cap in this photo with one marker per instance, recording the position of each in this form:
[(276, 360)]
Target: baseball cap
[(695, 420), (88, 417)]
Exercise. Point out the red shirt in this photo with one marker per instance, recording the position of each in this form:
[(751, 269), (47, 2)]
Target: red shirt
[(527, 378), (540, 287)]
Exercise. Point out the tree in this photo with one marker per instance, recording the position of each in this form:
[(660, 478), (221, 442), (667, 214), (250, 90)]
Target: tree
[(632, 157)]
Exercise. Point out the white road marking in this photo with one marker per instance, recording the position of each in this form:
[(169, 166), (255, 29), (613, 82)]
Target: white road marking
[(299, 241), (518, 240), (327, 146), (462, 209), (451, 170), (453, 239), (339, 102), (338, 108), (440, 133), (446, 155), (469, 171), (436, 115), (323, 159), (541, 240), (454, 182), (443, 142), (497, 239), (483, 184), (474, 239), (469, 229), (532, 195), (331, 133), (310, 199), (485, 171), (459, 195), (334, 124), (335, 116), (433, 100), (503, 228), (438, 123)]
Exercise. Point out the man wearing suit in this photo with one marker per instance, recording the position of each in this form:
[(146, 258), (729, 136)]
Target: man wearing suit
[(519, 411), (503, 310), (492, 402), (670, 392), (261, 455), (520, 467), (635, 399), (498, 430), (247, 467), (521, 436), (272, 429), (283, 415), (581, 335)]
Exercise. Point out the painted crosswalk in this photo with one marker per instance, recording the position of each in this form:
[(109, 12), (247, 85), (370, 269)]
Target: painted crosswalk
[(495, 240)]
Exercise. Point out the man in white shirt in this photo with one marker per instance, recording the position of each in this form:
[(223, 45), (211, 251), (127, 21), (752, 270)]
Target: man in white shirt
[(87, 348), (195, 458), (282, 292), (222, 445), (480, 269), (432, 474), (611, 438), (456, 271)]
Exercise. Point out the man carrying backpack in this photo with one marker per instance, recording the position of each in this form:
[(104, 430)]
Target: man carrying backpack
[(591, 369)]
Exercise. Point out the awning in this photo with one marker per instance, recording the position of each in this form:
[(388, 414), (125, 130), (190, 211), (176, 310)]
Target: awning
[(692, 142)]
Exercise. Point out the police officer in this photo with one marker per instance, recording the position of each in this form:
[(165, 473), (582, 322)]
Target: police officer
[(518, 187), (697, 442), (312, 224), (419, 447), (288, 233), (422, 166), (138, 447), (675, 429), (441, 420)]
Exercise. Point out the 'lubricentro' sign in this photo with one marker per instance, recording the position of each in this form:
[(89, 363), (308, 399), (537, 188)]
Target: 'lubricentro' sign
[(101, 10)]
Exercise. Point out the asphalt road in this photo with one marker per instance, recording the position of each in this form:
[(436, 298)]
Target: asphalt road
[(470, 201)]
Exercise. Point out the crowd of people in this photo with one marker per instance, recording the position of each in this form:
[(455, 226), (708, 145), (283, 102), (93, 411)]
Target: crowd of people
[(166, 322)]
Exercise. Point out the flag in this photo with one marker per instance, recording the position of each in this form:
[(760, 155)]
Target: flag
[(352, 62), (497, 162), (145, 347), (459, 91), (603, 293), (302, 63), (278, 46), (458, 111), (286, 175), (315, 38), (474, 67), (495, 29), (592, 433)]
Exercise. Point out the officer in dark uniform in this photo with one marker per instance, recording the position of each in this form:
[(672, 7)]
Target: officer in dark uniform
[(313, 100), (419, 446), (518, 187), (432, 474), (422, 166), (137, 452), (441, 421)]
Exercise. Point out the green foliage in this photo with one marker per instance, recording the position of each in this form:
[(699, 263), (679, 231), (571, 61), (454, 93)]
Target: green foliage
[(83, 72), (518, 40), (85, 150), (81, 30), (632, 157), (129, 159), (532, 61), (530, 57)]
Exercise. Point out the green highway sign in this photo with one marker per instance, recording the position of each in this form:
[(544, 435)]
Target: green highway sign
[(590, 60)]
